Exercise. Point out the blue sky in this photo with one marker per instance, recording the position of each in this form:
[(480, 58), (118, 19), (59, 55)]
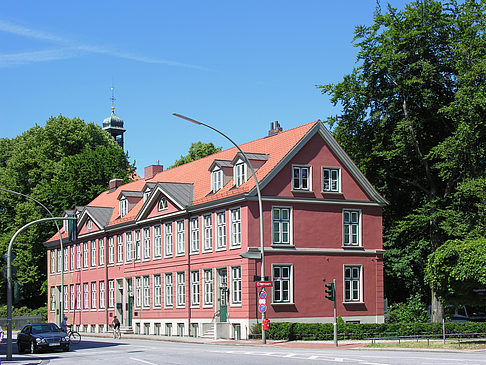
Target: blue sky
[(237, 65)]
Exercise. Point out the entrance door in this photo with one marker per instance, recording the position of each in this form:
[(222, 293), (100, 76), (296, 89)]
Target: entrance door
[(129, 314), (223, 295)]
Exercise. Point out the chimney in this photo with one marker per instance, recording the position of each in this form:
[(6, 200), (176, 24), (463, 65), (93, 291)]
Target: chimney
[(152, 170), (115, 183), (274, 129)]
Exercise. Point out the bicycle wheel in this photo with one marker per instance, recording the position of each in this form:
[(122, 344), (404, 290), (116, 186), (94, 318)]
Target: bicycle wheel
[(74, 337)]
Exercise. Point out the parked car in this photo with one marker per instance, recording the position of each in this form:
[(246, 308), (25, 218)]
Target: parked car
[(42, 336)]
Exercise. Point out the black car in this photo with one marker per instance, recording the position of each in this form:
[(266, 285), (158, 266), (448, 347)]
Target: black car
[(42, 336)]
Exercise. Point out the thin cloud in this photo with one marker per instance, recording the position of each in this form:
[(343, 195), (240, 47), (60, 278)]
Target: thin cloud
[(69, 50)]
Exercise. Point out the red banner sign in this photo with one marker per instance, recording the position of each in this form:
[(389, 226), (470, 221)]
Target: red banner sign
[(264, 284)]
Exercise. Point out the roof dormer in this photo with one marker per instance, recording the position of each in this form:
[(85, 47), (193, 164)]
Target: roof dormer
[(240, 168), (127, 200), (221, 174)]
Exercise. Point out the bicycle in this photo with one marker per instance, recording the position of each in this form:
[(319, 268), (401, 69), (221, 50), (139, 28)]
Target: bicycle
[(74, 336), (116, 332)]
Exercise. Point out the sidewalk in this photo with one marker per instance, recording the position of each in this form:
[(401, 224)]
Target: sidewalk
[(345, 344)]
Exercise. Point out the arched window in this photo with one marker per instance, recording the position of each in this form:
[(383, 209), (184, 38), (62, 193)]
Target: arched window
[(162, 203)]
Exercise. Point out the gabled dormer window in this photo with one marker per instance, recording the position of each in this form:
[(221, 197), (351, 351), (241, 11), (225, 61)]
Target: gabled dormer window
[(123, 206), (216, 180), (239, 173), (89, 224), (162, 203)]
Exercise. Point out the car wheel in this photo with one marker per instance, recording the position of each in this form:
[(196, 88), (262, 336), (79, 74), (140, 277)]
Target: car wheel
[(65, 348), (20, 348), (32, 348)]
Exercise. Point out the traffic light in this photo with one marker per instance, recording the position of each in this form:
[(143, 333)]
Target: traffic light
[(330, 291), (72, 228)]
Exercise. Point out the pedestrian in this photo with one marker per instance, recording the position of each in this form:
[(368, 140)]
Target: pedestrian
[(1, 337)]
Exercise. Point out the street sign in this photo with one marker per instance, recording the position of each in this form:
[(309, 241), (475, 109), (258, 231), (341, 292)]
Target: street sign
[(262, 308), (262, 301), (264, 284), (262, 294)]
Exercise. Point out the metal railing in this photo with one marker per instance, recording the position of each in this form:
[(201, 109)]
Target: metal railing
[(459, 337)]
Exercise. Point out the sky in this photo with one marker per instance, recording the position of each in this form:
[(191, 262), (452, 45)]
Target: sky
[(236, 65)]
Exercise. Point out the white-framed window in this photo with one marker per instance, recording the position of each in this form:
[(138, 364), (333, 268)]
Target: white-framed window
[(119, 249), (93, 295), (85, 255), (282, 283), (53, 261), (102, 295), (111, 250), (66, 259), (239, 173), (146, 291), (138, 292), (221, 230), (195, 235), (89, 224), (78, 256), (208, 232), (168, 290), (93, 253), (181, 240), (146, 194), (216, 179), (331, 179), (59, 260), (236, 285), (181, 289), (195, 288), (157, 241), (85, 296), (137, 245), (123, 206), (101, 243), (53, 298), (168, 239), (146, 243), (73, 258), (235, 215), (281, 228), (78, 296), (351, 228), (73, 297), (162, 203), (111, 293), (157, 291), (301, 178), (353, 284), (208, 287), (128, 246), (66, 297)]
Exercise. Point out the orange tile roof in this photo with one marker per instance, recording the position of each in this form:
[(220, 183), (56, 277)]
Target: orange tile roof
[(196, 173)]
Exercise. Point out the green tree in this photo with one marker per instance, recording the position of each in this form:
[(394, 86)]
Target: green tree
[(196, 151), (63, 164), (413, 119)]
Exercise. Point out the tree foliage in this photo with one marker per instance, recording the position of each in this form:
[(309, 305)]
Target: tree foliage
[(63, 164), (196, 151), (413, 119)]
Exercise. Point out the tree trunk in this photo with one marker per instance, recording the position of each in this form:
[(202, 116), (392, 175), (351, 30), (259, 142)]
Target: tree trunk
[(436, 309)]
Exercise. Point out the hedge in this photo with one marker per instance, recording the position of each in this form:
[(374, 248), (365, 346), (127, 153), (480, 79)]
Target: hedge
[(360, 331)]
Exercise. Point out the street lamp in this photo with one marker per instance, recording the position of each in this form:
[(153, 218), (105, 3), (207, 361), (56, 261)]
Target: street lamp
[(257, 185), (9, 276)]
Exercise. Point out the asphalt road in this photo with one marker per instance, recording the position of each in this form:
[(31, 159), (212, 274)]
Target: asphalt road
[(94, 351)]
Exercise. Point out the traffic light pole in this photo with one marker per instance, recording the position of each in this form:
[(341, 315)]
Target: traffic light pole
[(335, 313)]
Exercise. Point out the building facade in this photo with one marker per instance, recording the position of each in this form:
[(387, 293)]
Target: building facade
[(178, 252)]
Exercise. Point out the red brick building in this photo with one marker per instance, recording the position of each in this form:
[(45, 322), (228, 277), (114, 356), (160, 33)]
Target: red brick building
[(176, 253)]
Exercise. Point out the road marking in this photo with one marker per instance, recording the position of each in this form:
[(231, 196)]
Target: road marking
[(140, 360)]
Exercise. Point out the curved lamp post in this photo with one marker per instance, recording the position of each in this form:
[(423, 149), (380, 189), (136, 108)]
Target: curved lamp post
[(257, 185), (9, 273)]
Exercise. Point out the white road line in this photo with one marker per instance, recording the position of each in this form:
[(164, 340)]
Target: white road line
[(140, 360)]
